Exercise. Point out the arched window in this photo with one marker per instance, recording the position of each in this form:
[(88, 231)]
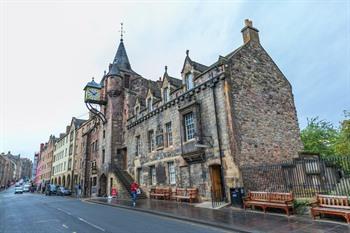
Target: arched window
[(189, 81)]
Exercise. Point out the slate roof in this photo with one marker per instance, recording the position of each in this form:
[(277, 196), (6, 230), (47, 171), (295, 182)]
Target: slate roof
[(77, 122), (153, 86), (174, 81), (120, 61), (198, 66), (92, 83)]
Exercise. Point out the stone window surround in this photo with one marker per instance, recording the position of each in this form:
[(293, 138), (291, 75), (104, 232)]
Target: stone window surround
[(193, 107), (211, 83)]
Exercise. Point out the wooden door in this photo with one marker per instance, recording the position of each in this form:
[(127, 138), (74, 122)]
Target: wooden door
[(215, 174)]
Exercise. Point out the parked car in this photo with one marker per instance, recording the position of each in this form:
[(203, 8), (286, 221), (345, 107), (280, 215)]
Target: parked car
[(26, 187), (18, 189), (51, 189), (62, 191)]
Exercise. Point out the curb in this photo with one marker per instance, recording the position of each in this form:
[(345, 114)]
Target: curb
[(172, 216)]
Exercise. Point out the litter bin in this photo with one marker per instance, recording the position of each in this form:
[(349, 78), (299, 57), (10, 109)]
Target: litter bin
[(237, 195)]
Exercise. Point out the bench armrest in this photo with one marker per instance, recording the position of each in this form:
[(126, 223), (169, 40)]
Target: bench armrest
[(246, 198)]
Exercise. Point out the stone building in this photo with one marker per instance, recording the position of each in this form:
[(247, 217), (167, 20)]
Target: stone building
[(7, 169), (26, 170), (63, 155), (45, 161), (87, 160), (197, 130)]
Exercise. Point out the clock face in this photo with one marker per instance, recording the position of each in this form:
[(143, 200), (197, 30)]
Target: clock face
[(92, 94)]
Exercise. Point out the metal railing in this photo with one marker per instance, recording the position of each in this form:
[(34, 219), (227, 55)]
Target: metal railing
[(217, 198), (304, 177)]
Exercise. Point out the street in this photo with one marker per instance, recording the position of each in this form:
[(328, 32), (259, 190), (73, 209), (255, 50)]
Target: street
[(36, 213)]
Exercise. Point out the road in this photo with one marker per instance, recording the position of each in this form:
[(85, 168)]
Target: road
[(37, 213)]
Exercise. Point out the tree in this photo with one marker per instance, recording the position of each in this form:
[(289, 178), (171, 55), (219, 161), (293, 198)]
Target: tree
[(342, 145), (319, 136)]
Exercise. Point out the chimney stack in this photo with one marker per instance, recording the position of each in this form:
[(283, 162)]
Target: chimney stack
[(249, 32)]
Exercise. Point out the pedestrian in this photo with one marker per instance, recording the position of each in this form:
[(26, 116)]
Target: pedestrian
[(79, 191), (134, 191)]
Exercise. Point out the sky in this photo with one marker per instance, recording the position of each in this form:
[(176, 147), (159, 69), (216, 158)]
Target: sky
[(49, 50)]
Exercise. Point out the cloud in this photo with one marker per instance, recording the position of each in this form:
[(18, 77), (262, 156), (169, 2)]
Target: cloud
[(51, 49)]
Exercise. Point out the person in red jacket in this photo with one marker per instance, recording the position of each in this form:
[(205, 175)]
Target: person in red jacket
[(134, 187)]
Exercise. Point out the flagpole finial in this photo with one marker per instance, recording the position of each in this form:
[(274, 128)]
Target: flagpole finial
[(121, 31)]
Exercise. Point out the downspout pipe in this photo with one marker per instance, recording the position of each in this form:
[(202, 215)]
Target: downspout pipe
[(223, 186)]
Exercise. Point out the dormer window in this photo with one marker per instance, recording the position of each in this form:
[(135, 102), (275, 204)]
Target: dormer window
[(165, 94), (149, 104), (189, 81)]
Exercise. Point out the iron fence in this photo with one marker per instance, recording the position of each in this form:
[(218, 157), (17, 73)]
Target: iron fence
[(217, 198), (305, 177)]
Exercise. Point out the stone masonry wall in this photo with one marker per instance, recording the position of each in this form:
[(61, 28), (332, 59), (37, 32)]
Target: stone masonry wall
[(265, 125)]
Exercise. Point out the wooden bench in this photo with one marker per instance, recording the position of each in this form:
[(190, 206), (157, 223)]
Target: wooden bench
[(190, 194), (158, 192), (332, 205), (269, 199)]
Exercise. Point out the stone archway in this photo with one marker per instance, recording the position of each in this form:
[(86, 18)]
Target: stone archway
[(103, 185), (59, 180), (55, 180), (52, 181)]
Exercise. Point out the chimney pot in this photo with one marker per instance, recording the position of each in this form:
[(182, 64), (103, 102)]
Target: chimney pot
[(250, 34), (248, 23)]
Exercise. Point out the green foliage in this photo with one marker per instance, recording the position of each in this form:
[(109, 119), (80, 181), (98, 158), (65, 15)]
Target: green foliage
[(342, 145), (319, 136), (301, 205), (322, 137)]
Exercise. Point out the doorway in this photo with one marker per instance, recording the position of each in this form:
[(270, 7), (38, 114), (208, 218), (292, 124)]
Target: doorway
[(103, 185), (216, 184)]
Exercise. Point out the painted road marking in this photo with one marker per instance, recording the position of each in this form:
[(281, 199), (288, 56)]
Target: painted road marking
[(64, 211), (64, 226), (91, 224)]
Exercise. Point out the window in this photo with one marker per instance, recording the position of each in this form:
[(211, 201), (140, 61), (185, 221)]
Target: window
[(104, 133), (153, 175), (172, 174), (139, 175), (69, 164), (70, 149), (149, 104), (189, 126), (94, 182), (189, 81), (103, 156), (168, 134), (165, 95), (126, 81), (159, 137), (150, 141), (138, 145)]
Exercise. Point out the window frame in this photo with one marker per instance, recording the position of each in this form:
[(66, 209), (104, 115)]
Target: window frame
[(168, 134), (171, 173), (189, 127)]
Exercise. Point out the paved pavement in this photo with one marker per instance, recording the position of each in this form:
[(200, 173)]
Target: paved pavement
[(36, 213), (234, 219)]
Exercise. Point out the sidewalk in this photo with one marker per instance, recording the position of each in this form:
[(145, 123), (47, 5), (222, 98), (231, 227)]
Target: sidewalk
[(229, 218)]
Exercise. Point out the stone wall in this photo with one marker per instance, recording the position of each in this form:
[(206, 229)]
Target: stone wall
[(264, 120)]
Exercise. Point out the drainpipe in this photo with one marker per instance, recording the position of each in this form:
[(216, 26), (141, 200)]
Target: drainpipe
[(223, 186)]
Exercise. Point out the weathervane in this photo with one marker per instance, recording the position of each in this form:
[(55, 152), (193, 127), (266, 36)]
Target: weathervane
[(121, 31)]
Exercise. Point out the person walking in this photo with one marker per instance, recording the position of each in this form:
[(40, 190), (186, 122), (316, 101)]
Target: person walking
[(79, 191), (134, 190)]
